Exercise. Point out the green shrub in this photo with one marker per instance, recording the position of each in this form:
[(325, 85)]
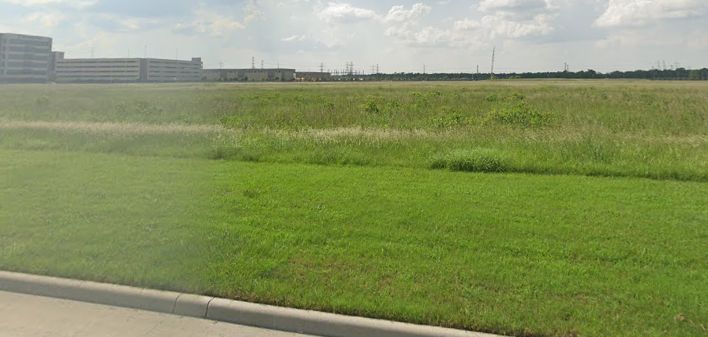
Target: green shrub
[(474, 160), (514, 110), (371, 106), (449, 118), (42, 101)]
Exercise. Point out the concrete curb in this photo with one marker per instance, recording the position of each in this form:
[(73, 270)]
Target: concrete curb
[(219, 309)]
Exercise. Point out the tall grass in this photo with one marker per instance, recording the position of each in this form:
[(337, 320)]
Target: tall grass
[(625, 128)]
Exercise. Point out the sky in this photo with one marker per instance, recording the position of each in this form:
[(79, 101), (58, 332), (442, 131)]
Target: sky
[(398, 36)]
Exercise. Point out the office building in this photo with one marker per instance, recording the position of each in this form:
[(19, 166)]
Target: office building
[(24, 58), (126, 70)]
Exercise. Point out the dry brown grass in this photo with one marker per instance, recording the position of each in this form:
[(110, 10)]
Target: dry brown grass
[(110, 127)]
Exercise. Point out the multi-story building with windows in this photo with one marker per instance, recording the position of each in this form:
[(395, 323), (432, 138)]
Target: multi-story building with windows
[(24, 58), (108, 70)]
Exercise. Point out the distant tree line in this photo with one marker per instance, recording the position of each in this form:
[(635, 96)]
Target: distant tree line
[(653, 74)]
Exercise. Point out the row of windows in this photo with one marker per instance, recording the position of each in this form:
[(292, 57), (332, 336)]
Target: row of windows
[(99, 62), (38, 58), (27, 67), (26, 72), (187, 63), (95, 77), (177, 68), (25, 49), (93, 68), (174, 72), (97, 72), (172, 75), (15, 42)]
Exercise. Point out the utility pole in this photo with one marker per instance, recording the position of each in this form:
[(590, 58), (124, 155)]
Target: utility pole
[(261, 64), (494, 53), (253, 62), (377, 69), (423, 69)]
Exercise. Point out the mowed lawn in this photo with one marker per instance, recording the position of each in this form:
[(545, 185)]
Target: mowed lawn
[(524, 255)]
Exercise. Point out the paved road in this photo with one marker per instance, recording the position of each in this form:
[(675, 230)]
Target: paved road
[(33, 316)]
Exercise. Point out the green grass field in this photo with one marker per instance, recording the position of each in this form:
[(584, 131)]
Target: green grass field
[(331, 197)]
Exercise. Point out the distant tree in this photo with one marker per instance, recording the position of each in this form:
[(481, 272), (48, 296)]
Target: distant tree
[(694, 75)]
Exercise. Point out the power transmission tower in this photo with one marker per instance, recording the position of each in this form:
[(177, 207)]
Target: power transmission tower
[(377, 69), (261, 64), (253, 62), (494, 54), (321, 67), (424, 69), (565, 67)]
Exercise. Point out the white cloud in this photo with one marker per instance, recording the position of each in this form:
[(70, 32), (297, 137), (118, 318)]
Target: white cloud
[(211, 23), (512, 5), (401, 14), (302, 33), (294, 38), (501, 26), (518, 18), (642, 12), (32, 3), (462, 33), (214, 23), (344, 12), (47, 20)]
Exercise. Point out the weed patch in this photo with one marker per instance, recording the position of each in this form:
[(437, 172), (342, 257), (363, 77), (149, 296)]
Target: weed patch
[(474, 160), (514, 110)]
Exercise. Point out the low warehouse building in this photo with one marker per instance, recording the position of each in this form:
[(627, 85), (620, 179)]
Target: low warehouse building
[(110, 70), (249, 75), (308, 76)]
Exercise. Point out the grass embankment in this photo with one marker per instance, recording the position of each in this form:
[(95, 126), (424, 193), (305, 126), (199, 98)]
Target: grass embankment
[(609, 128), (512, 254)]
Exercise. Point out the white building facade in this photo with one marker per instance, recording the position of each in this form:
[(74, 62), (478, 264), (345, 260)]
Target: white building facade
[(24, 58), (126, 70)]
